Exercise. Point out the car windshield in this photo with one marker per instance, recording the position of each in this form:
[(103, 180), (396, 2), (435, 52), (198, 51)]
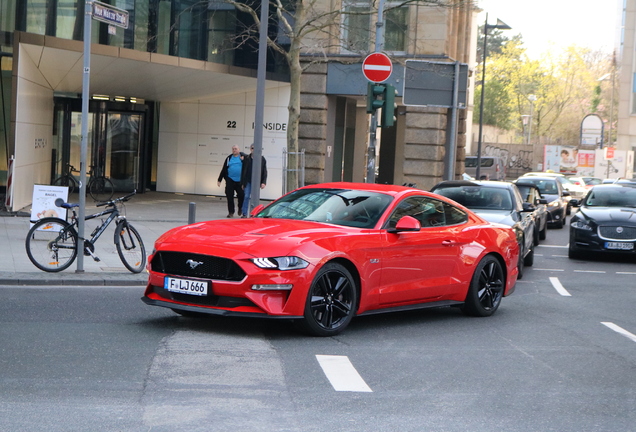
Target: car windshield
[(611, 197), (545, 186), (345, 207), (592, 181), (525, 192), (478, 197)]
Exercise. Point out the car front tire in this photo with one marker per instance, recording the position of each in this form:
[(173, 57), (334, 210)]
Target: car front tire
[(331, 301)]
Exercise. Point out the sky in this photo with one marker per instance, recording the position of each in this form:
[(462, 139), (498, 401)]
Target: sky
[(554, 24)]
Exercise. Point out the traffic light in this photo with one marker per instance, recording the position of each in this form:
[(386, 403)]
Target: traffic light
[(373, 91), (382, 96), (388, 110)]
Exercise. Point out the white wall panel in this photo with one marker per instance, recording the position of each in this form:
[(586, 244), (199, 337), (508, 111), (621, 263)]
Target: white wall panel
[(194, 165)]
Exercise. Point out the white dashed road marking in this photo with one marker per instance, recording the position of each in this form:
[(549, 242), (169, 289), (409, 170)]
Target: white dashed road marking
[(557, 286), (620, 330), (589, 271), (341, 374)]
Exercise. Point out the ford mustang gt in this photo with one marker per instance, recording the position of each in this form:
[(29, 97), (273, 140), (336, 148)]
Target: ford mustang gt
[(325, 253)]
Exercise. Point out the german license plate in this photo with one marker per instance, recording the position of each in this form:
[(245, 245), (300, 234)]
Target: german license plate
[(186, 286), (619, 245)]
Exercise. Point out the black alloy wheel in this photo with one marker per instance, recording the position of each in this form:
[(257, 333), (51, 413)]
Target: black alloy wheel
[(486, 288), (331, 301)]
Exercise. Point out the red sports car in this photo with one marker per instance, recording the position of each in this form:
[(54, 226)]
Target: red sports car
[(325, 253)]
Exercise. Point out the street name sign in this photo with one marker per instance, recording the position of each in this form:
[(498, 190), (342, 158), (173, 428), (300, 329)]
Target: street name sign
[(109, 14), (377, 67)]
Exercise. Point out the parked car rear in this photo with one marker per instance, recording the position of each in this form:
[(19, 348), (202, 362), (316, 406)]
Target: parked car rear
[(492, 167)]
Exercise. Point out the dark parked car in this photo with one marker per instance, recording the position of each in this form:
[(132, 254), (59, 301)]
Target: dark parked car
[(531, 194), (498, 202), (605, 222), (557, 197)]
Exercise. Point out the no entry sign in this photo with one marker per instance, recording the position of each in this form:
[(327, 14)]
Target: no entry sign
[(377, 67)]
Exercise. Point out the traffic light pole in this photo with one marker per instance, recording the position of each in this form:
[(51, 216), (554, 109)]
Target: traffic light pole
[(379, 44)]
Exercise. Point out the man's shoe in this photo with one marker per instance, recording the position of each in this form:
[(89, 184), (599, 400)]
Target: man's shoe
[(230, 215), (240, 213)]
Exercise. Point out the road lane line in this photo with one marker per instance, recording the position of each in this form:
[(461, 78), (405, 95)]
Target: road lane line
[(620, 330), (626, 273), (552, 246), (341, 374), (589, 271), (557, 286)]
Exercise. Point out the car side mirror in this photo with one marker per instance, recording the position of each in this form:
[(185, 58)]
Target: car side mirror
[(257, 209), (565, 193), (542, 201), (406, 223), (528, 207), (574, 202)]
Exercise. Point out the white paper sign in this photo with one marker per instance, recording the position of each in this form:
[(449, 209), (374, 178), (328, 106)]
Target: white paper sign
[(43, 204)]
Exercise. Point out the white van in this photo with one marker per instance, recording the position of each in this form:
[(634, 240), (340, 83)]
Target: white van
[(492, 168)]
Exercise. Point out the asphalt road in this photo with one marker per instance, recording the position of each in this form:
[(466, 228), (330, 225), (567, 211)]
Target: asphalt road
[(559, 355)]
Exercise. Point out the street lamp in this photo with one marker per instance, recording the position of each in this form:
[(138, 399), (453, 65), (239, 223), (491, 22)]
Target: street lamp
[(501, 26)]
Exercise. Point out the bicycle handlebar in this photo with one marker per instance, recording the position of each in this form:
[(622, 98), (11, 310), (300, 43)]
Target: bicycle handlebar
[(115, 201)]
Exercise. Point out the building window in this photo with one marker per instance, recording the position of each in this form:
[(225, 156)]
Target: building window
[(221, 32), (396, 29), (357, 20), (356, 27)]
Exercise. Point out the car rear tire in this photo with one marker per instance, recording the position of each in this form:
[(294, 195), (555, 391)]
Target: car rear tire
[(486, 288), (529, 259), (520, 263), (331, 301)]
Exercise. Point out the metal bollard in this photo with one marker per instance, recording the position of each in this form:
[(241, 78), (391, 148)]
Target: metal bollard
[(192, 209)]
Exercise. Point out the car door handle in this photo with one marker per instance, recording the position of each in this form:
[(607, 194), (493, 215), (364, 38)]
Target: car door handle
[(449, 242)]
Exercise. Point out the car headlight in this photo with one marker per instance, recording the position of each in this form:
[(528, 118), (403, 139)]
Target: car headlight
[(579, 224), (554, 203), (281, 263)]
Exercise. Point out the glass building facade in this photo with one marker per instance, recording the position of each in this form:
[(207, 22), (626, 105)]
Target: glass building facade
[(184, 28)]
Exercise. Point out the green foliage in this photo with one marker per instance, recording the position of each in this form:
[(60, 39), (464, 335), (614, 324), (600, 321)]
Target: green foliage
[(557, 91)]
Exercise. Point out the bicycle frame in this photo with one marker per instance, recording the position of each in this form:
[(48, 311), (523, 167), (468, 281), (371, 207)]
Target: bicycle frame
[(114, 214)]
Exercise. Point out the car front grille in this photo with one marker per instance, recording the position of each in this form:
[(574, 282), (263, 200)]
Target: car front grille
[(196, 265), (617, 233)]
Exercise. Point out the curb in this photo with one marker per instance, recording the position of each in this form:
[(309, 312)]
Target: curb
[(28, 279)]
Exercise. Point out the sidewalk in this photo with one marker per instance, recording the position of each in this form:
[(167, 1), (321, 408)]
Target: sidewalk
[(151, 213)]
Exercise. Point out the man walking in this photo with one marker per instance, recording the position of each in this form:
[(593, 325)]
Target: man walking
[(231, 172), (246, 179)]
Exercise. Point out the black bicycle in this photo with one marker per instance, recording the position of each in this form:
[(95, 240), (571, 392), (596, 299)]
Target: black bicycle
[(51, 243), (100, 187)]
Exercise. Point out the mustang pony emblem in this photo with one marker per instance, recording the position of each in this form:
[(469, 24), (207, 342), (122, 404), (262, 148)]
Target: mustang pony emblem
[(193, 264)]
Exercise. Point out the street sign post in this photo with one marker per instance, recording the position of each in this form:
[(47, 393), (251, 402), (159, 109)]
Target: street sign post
[(377, 67), (113, 16)]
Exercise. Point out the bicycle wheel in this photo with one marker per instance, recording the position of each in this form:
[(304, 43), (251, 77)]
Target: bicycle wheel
[(51, 244), (101, 189), (66, 180), (130, 247)]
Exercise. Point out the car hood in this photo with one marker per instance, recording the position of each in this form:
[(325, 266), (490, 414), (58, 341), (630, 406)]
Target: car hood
[(496, 216), (251, 236), (550, 197), (610, 214)]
